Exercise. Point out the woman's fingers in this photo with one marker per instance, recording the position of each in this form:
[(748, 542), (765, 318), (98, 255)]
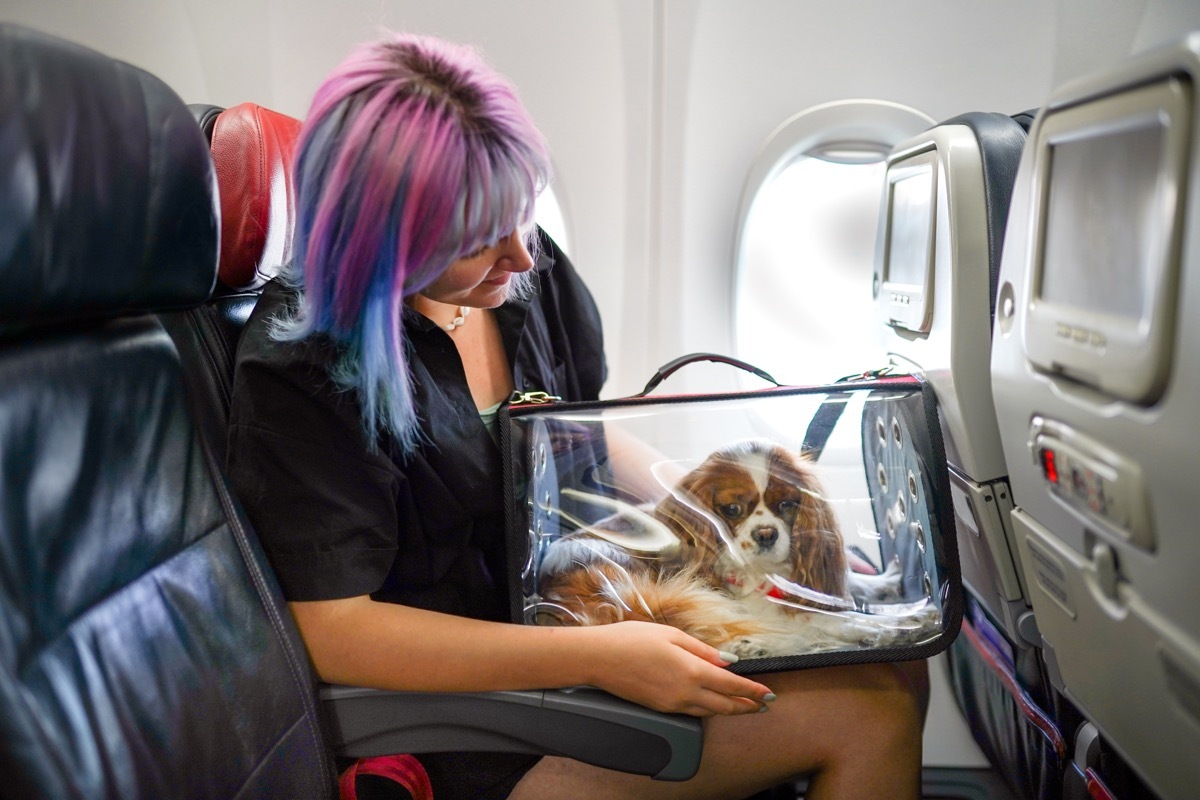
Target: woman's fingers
[(750, 694), (724, 681), (727, 705), (668, 670), (715, 689)]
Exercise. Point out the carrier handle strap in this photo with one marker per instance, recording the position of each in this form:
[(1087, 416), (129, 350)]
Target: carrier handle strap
[(666, 370), (819, 427)]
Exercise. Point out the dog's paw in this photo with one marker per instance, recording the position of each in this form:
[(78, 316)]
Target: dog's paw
[(748, 647), (880, 589), (913, 628)]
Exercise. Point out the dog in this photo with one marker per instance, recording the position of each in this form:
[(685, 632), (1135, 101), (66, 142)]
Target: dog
[(758, 567)]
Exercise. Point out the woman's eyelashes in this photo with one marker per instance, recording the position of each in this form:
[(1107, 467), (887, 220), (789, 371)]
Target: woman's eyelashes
[(483, 248)]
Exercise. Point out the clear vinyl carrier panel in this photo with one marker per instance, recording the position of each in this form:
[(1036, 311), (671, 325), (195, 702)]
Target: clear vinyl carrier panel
[(790, 527)]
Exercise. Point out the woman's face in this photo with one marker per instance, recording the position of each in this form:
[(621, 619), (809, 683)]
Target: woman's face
[(481, 279)]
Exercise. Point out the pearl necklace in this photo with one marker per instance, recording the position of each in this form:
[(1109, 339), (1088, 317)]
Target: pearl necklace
[(459, 321)]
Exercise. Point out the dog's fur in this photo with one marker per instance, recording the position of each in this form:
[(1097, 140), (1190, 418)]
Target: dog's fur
[(760, 570)]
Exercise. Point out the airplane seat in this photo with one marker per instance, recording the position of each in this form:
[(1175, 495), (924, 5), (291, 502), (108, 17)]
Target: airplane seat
[(945, 210), (144, 649), (252, 150), (1025, 119), (1095, 374), (206, 116)]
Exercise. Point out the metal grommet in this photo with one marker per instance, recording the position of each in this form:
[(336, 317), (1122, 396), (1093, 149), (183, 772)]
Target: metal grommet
[(881, 476), (919, 534), (896, 433)]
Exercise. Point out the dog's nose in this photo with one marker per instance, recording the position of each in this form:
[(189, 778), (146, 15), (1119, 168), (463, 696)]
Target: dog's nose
[(764, 537)]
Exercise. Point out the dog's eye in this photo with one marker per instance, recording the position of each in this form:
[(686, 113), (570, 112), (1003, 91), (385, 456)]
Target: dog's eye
[(788, 506), (729, 510)]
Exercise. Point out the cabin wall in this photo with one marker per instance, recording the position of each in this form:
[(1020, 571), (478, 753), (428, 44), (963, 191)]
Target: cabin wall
[(654, 110)]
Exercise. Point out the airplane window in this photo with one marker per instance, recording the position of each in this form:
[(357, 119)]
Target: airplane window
[(803, 309), (549, 215)]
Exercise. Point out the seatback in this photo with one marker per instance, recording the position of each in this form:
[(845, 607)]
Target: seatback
[(942, 225), (144, 648), (941, 230), (1096, 375), (252, 149)]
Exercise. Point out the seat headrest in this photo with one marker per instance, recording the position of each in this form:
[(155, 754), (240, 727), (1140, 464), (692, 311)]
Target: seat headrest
[(106, 185), (206, 116), (253, 149), (1001, 139)]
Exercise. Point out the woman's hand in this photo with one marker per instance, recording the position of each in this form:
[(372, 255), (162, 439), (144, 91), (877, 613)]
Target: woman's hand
[(667, 670)]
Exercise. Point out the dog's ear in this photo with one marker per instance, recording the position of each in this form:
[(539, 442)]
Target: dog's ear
[(687, 511), (820, 554)]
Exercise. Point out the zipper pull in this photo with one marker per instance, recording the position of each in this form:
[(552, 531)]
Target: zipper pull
[(867, 375), (518, 398)]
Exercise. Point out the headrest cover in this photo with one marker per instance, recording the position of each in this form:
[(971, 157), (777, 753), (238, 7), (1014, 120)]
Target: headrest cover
[(253, 149), (1001, 140), (106, 186)]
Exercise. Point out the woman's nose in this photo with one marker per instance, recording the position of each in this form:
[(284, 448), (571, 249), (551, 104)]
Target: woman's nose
[(514, 255)]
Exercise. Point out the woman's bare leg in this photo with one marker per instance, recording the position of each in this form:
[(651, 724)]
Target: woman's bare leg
[(855, 730)]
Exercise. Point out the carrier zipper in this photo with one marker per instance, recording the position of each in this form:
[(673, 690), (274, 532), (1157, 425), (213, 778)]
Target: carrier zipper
[(518, 398)]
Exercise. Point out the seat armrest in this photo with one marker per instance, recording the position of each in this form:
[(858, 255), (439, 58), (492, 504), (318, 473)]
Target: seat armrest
[(583, 723)]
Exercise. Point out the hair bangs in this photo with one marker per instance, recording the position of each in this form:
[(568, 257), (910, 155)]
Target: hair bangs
[(500, 197)]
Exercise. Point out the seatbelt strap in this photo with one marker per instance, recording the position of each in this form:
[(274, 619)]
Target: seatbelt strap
[(403, 769)]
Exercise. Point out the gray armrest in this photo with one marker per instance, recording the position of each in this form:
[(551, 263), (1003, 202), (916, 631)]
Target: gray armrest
[(582, 723)]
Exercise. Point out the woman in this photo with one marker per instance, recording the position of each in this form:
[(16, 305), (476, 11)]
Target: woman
[(417, 301)]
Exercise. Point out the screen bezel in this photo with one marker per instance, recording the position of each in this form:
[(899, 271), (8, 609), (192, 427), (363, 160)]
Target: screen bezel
[(910, 305), (1120, 356)]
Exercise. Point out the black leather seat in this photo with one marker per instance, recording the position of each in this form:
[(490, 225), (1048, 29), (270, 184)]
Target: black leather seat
[(252, 149), (144, 648)]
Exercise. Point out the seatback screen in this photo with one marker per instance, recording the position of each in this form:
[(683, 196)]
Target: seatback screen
[(908, 245), (1104, 220), (1110, 177)]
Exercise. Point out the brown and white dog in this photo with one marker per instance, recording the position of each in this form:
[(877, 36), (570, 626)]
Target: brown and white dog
[(760, 568)]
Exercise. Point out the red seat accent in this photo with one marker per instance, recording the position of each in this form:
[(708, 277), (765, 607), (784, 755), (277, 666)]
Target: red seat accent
[(253, 149)]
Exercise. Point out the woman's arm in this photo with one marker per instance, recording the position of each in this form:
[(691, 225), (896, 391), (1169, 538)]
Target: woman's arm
[(361, 642)]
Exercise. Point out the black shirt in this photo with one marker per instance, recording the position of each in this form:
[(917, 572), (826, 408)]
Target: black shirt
[(338, 518)]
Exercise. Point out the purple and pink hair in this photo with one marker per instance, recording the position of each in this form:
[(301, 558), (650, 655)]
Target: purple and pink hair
[(413, 154)]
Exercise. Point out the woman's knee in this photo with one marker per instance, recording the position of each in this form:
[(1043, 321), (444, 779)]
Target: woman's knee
[(862, 702)]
